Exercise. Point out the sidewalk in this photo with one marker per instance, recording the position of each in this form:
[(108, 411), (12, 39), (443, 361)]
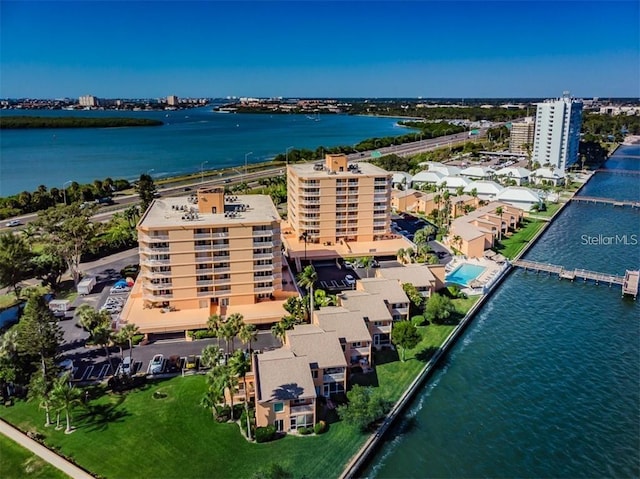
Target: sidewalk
[(52, 458)]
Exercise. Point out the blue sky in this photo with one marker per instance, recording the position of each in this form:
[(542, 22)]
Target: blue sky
[(327, 49)]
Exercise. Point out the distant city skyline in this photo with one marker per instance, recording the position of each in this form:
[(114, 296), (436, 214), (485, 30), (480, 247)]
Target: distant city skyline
[(432, 49)]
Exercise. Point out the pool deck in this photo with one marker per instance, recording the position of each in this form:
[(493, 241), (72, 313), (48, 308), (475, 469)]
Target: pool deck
[(491, 270)]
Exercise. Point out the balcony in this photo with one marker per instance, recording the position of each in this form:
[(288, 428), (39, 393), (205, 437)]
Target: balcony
[(205, 294), (303, 408), (262, 267), (155, 262), (204, 271), (153, 250), (204, 282), (153, 239), (221, 270), (264, 289), (157, 297), (158, 286), (309, 202), (155, 274), (262, 256), (218, 247), (262, 279), (333, 377), (259, 233)]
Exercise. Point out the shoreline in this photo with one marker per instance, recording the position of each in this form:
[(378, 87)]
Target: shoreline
[(371, 445)]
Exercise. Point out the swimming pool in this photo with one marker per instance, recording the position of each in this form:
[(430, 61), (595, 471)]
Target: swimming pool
[(464, 274)]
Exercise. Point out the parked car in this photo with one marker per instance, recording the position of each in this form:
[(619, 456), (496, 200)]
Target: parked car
[(13, 223), (125, 367), (157, 364), (120, 289), (350, 280)]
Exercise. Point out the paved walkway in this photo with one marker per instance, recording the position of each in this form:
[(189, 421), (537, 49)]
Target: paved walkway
[(52, 458)]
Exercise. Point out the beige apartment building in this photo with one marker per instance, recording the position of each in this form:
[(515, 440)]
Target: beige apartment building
[(522, 133), (336, 201), (207, 254)]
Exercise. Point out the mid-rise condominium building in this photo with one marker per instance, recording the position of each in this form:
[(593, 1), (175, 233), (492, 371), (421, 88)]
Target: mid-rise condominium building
[(172, 100), (209, 251), (557, 133), (338, 201), (521, 135), (88, 101)]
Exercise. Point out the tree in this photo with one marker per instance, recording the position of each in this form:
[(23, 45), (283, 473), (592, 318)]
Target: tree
[(401, 255), (211, 356), (38, 337), (15, 261), (128, 332), (405, 336), (211, 399), (414, 295), (296, 307), (306, 279), (322, 299), (240, 365), (103, 336), (224, 379), (367, 263), (438, 308), (279, 330), (248, 333), (65, 397), (91, 319), (49, 267), (69, 231), (146, 190), (499, 212), (365, 406)]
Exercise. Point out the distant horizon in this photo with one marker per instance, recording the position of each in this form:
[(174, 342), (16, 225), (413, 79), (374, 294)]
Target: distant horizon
[(457, 98), (320, 49)]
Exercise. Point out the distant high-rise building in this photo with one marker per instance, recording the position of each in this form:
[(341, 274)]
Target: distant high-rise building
[(521, 135), (172, 100), (557, 134), (88, 100)]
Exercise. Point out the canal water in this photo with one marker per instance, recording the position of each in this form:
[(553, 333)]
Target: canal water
[(545, 382)]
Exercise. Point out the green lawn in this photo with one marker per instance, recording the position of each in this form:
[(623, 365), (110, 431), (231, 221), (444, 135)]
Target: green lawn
[(175, 437), (7, 300), (549, 212), (16, 462), (512, 245)]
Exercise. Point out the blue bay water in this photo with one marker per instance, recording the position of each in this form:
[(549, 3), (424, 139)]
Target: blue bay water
[(545, 382), (188, 138)]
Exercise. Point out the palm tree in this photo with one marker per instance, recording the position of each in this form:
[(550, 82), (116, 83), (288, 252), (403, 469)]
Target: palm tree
[(224, 379), (248, 333), (240, 365), (367, 263), (211, 356), (102, 336), (457, 240), (211, 399), (306, 279), (66, 397), (322, 299), (400, 255), (499, 212), (129, 331), (90, 319)]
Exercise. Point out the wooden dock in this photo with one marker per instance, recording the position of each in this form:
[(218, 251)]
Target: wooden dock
[(605, 201), (629, 281)]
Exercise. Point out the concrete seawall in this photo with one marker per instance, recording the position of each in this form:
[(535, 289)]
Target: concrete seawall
[(360, 459)]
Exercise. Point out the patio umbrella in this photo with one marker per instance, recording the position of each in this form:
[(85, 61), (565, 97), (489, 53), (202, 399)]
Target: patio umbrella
[(129, 281), (121, 282)]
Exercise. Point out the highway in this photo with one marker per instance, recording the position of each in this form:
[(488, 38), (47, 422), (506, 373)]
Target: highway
[(123, 202)]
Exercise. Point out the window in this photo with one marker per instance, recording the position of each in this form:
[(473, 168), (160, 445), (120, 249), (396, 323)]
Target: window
[(314, 374), (278, 407)]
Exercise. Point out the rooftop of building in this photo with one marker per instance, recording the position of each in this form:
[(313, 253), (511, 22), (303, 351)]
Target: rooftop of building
[(366, 304), (346, 324), (513, 171), (184, 212), (353, 170), (417, 274), (389, 289), (283, 376), (320, 348)]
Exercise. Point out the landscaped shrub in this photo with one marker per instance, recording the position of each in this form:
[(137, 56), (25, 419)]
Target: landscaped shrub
[(243, 421), (224, 414), (418, 320), (202, 334), (265, 434), (305, 431), (320, 427)]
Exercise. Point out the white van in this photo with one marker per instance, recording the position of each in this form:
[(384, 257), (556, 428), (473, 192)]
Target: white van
[(125, 367)]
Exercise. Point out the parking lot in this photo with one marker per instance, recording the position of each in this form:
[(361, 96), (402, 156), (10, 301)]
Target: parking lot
[(334, 278), (407, 225)]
